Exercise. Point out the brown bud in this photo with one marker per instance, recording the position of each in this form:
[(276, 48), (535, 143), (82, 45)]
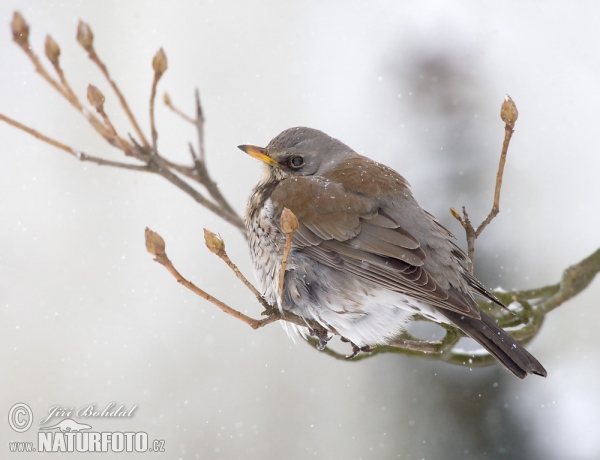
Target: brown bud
[(52, 50), (289, 222), (95, 97), (20, 30), (455, 214), (159, 63), (155, 245), (213, 242), (509, 112), (85, 37), (167, 99)]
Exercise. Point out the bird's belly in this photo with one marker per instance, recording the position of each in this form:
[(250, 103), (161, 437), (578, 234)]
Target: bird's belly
[(356, 309)]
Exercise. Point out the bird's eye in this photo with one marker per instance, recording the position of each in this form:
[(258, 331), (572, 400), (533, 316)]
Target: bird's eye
[(296, 162)]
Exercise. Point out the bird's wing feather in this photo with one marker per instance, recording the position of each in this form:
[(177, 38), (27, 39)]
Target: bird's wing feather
[(351, 232)]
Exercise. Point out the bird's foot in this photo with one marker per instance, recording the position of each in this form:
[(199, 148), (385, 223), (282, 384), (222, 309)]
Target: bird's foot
[(356, 349), (323, 337)]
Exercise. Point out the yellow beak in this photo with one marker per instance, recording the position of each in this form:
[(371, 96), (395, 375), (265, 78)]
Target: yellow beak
[(259, 153)]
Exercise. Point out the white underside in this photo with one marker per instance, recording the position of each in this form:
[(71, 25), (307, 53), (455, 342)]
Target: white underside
[(388, 315)]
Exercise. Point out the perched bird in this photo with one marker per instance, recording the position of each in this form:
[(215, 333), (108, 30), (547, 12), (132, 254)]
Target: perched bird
[(366, 259)]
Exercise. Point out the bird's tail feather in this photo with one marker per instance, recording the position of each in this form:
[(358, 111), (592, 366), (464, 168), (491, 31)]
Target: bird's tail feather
[(498, 343)]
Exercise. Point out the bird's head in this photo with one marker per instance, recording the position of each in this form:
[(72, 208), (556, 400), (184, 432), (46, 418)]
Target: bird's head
[(300, 152)]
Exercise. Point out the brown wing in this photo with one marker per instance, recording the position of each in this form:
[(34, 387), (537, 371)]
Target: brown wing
[(352, 232)]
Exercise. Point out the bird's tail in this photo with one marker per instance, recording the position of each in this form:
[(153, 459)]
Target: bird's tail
[(498, 343)]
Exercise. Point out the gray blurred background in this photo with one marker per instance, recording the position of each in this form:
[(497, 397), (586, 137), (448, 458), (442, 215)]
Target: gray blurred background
[(88, 318)]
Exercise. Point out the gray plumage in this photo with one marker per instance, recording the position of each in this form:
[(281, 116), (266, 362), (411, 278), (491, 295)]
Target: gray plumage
[(366, 257)]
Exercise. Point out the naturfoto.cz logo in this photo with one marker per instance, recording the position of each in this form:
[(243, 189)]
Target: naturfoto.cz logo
[(68, 435)]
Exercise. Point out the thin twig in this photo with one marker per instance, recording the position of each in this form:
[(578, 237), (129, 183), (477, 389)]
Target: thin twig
[(233, 219), (200, 171), (53, 54), (39, 68), (96, 99), (76, 153), (471, 237), (289, 225), (253, 323), (216, 245), (155, 245), (94, 57), (182, 169), (213, 188), (509, 114), (159, 64), (152, 121), (200, 129), (85, 37), (284, 262), (508, 132), (20, 31), (169, 104), (221, 208)]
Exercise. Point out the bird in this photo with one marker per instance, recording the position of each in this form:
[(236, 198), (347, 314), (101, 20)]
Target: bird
[(365, 259)]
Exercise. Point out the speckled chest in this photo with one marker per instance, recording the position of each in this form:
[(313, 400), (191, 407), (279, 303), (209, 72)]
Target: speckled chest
[(265, 242)]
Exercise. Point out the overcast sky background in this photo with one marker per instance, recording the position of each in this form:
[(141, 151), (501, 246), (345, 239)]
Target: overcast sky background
[(88, 318)]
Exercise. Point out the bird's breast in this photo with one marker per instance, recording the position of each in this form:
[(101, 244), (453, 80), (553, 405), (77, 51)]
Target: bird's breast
[(266, 244)]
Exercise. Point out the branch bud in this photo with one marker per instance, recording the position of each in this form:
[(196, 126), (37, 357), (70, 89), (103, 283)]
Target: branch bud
[(509, 112), (52, 50), (155, 245), (167, 99), (159, 63), (213, 242), (95, 97), (455, 214), (85, 37), (20, 30), (289, 222)]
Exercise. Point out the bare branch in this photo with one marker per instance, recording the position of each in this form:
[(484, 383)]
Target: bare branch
[(20, 30), (169, 104), (523, 321), (156, 246), (289, 225), (154, 162), (85, 37), (53, 54), (199, 171), (215, 244), (19, 27), (573, 281), (156, 165), (509, 114), (76, 153), (96, 99), (159, 64), (200, 128)]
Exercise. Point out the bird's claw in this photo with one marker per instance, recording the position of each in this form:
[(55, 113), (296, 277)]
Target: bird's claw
[(356, 349)]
